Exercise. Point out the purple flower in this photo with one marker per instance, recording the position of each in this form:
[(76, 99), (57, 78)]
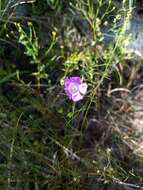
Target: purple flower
[(75, 88)]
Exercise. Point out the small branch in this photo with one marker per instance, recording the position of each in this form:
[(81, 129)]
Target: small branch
[(127, 184), (23, 2), (72, 155), (118, 90)]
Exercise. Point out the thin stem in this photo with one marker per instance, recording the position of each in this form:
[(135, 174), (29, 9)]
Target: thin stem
[(73, 113)]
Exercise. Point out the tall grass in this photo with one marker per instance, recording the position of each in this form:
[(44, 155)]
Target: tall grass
[(47, 141)]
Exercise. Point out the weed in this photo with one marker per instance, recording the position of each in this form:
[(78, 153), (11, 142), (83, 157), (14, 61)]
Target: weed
[(46, 140)]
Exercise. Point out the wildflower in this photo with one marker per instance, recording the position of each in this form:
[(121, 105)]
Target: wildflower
[(75, 88)]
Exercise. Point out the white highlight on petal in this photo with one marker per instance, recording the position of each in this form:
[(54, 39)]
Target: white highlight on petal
[(83, 88), (76, 97)]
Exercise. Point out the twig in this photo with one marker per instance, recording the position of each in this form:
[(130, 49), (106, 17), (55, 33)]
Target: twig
[(127, 184), (118, 89), (23, 2), (72, 155)]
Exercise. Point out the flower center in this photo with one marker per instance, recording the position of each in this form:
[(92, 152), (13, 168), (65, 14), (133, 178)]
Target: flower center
[(73, 88)]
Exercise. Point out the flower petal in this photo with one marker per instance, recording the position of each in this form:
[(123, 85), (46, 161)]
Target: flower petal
[(76, 97), (67, 82), (76, 80), (66, 87), (74, 88), (83, 88)]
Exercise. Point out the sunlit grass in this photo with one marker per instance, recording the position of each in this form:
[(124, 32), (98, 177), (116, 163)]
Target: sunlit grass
[(46, 140)]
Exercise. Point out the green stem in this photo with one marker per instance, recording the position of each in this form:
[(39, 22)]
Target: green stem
[(73, 112)]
